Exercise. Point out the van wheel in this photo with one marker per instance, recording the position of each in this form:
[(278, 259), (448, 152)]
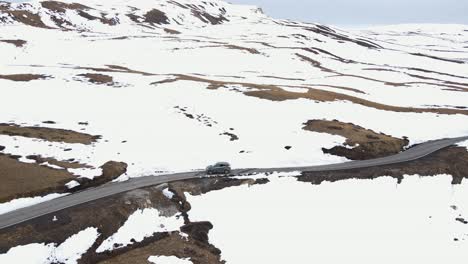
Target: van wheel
[(226, 172)]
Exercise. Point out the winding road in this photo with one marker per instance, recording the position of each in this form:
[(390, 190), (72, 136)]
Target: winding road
[(28, 213)]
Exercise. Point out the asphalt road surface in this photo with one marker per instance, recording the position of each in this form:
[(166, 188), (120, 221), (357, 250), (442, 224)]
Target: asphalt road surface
[(92, 194)]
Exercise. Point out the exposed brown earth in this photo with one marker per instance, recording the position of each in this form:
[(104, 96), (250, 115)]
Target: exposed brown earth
[(110, 213), (452, 161), (171, 31), (17, 42), (115, 68), (61, 7), (48, 134), (208, 18), (68, 164), (275, 93), (156, 16), (25, 17), (97, 78), (172, 245), (370, 143), (249, 50), (23, 77), (18, 179)]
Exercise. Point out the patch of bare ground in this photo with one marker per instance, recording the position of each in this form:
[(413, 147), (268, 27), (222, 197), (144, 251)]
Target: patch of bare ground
[(109, 214), (17, 42), (48, 134), (208, 18), (451, 161), (157, 17), (249, 50), (23, 77), (97, 78), (171, 31), (275, 93), (61, 7), (361, 143), (111, 170), (115, 68), (67, 164), (19, 179), (25, 17)]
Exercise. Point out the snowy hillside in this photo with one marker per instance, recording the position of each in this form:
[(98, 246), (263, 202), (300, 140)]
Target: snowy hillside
[(174, 85)]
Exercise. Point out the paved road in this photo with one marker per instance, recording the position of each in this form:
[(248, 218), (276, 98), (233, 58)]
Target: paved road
[(24, 214)]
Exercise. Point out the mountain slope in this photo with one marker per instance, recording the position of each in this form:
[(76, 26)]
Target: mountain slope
[(176, 85)]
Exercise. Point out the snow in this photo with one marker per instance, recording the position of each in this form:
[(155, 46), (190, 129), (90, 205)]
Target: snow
[(168, 193), (365, 221), (161, 138), (72, 184), (463, 144), (168, 260), (141, 224), (68, 252), (25, 202), (47, 164)]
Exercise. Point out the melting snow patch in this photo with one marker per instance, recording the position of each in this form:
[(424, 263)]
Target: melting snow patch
[(86, 172), (25, 202), (463, 144), (168, 260), (52, 166), (168, 193), (141, 224), (68, 252), (72, 184)]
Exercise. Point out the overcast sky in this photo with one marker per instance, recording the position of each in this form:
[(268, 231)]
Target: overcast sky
[(365, 12)]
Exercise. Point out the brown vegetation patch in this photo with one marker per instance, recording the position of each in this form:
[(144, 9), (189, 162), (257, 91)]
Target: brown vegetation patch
[(437, 58), (452, 161), (172, 245), (48, 134), (171, 31), (156, 16), (17, 42), (26, 17), (275, 93), (18, 179), (98, 78), (370, 144), (23, 77), (61, 7), (115, 68), (208, 18), (249, 50), (67, 164)]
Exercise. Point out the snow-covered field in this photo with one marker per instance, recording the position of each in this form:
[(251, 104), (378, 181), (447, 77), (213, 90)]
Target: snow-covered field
[(352, 221), (140, 117)]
